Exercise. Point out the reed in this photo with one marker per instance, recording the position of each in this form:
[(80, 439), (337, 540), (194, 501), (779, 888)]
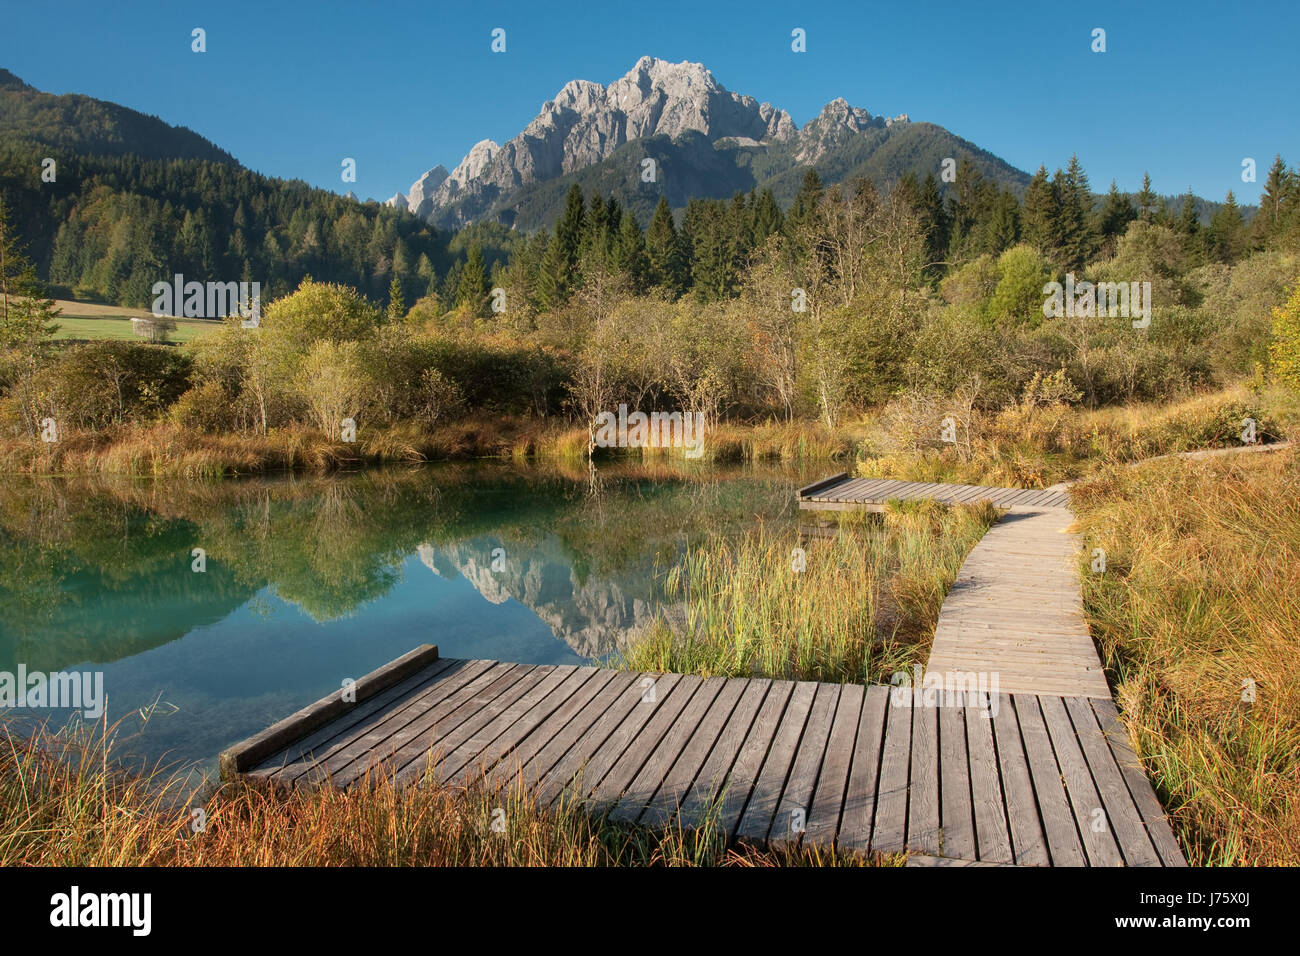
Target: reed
[(862, 607)]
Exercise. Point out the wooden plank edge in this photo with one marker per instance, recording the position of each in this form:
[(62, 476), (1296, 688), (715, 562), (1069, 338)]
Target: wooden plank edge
[(252, 751), (816, 486)]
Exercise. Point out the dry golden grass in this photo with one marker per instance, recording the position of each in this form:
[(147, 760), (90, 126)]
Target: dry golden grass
[(167, 449), (1038, 446), (1198, 609), (62, 804)]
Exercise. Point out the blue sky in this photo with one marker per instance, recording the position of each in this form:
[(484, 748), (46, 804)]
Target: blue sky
[(1185, 89)]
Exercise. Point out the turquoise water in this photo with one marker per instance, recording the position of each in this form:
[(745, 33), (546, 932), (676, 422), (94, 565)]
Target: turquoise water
[(310, 581)]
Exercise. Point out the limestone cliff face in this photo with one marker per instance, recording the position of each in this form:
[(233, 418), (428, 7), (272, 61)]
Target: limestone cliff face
[(592, 615), (837, 122), (586, 122)]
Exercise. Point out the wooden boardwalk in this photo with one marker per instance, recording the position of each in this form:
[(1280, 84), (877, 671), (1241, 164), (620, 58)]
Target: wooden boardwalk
[(842, 493), (1014, 615), (1016, 610), (1013, 779)]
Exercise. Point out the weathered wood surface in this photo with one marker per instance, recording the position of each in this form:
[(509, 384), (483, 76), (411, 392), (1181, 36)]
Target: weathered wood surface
[(841, 492), (1008, 779), (1015, 612)]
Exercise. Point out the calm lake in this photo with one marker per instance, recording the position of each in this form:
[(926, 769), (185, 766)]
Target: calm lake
[(310, 581)]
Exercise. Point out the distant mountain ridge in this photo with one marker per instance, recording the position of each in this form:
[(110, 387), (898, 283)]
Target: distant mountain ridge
[(705, 141), (88, 126)]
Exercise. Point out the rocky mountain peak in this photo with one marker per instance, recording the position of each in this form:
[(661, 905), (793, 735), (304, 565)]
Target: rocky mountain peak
[(833, 125), (586, 123)]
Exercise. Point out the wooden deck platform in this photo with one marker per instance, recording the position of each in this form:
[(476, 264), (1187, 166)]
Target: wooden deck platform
[(1016, 779), (841, 492)]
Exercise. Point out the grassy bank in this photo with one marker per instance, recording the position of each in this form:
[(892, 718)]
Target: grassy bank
[(863, 606), (170, 450), (62, 804), (1036, 445), (1197, 616)]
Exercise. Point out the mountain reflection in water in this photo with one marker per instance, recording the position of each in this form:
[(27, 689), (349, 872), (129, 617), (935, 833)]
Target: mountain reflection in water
[(310, 581)]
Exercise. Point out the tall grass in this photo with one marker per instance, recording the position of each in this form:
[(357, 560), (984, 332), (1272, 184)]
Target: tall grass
[(1036, 446), (1198, 609), (863, 606), (63, 804)]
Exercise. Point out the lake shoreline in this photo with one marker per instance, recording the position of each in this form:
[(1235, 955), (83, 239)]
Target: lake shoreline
[(170, 450)]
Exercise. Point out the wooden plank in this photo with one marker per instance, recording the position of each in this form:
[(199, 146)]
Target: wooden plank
[(467, 760), (923, 792), (861, 490), (319, 765), (1125, 820), (423, 739), (845, 490), (300, 750), (1086, 802), (511, 727), (993, 839), (569, 768), (1054, 806), (510, 769), (889, 830), (899, 491), (756, 821), (253, 750), (957, 813), (823, 822), (666, 687), (625, 768), (677, 786), (864, 772), (1017, 499), (1028, 843), (540, 764), (372, 751), (1153, 815), (808, 490), (672, 784), (749, 762), (671, 750), (703, 797), (791, 819), (872, 487), (966, 494)]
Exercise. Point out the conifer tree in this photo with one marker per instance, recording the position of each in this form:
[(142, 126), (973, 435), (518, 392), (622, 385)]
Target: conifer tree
[(1148, 203), (1115, 214), (630, 253), (472, 289), (1040, 220), (26, 314), (764, 216), (666, 266), (1074, 232), (396, 301), (1279, 190), (1227, 231)]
